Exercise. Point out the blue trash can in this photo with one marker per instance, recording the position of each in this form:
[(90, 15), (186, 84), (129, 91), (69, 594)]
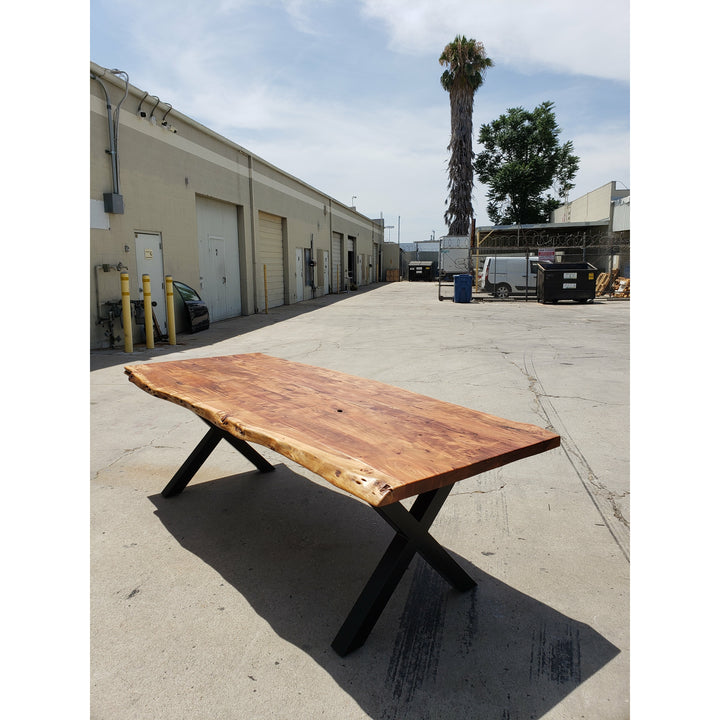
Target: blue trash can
[(463, 288)]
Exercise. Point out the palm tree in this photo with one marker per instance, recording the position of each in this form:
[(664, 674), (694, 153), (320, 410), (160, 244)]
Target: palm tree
[(467, 63)]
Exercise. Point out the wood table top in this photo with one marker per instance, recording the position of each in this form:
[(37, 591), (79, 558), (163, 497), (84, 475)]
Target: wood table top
[(375, 441)]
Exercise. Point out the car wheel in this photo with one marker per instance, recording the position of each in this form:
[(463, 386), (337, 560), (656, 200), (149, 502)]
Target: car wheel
[(502, 290)]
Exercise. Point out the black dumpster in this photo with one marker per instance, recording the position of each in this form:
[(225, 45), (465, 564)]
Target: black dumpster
[(462, 285), (566, 281), (421, 270)]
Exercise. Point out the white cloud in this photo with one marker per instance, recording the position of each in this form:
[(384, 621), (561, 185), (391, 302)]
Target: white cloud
[(590, 38), (214, 63), (387, 164), (300, 14), (603, 157)]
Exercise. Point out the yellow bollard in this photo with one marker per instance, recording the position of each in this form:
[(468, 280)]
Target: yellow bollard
[(126, 314), (147, 301), (266, 297), (170, 309)]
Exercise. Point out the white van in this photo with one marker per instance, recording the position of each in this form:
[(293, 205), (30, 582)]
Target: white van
[(509, 275)]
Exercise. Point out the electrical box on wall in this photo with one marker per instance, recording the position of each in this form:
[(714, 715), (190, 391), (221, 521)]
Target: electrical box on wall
[(113, 203)]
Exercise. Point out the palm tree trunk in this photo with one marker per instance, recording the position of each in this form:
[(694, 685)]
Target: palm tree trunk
[(460, 172)]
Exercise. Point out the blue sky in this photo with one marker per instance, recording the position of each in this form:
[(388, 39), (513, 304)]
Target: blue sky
[(346, 95)]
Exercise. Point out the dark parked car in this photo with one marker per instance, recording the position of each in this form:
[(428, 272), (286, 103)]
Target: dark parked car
[(191, 313)]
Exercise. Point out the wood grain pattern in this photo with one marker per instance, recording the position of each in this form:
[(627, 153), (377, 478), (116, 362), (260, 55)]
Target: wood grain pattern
[(375, 441)]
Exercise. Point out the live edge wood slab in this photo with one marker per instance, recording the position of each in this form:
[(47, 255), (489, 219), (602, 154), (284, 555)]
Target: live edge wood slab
[(377, 442)]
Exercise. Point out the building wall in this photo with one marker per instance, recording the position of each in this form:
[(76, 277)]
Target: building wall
[(621, 215), (593, 206), (392, 259), (165, 176)]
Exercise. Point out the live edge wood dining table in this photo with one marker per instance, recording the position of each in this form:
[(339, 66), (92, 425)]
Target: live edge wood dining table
[(379, 443)]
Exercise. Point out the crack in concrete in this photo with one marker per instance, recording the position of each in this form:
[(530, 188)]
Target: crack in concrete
[(604, 499), (128, 452), (125, 453), (480, 492), (579, 397)]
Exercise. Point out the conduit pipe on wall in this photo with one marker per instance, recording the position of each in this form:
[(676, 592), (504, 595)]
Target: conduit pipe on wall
[(152, 112), (141, 113), (163, 122), (113, 201)]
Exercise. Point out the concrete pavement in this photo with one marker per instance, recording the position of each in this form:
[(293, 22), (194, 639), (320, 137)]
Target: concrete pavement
[(222, 602)]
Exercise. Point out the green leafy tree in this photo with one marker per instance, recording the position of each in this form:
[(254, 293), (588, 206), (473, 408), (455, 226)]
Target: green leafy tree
[(466, 64), (521, 161)]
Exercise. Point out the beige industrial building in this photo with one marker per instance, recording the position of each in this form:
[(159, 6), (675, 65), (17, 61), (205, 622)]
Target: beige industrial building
[(597, 205), (169, 196)]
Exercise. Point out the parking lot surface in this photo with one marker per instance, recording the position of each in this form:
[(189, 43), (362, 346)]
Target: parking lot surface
[(222, 603)]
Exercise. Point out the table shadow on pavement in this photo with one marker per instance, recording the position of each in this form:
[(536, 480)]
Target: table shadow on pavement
[(299, 553)]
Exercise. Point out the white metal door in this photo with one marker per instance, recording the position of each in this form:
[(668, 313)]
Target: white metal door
[(299, 274), (219, 258), (217, 299), (148, 253)]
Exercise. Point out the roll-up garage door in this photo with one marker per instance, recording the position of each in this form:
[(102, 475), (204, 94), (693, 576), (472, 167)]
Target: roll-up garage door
[(336, 274), (269, 253)]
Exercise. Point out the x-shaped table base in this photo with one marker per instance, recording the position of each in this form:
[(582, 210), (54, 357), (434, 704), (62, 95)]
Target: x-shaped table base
[(202, 452), (411, 536)]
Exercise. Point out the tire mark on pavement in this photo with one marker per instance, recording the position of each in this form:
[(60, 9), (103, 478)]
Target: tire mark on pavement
[(414, 661)]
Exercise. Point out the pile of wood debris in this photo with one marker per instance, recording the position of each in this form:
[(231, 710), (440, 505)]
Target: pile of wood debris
[(612, 285)]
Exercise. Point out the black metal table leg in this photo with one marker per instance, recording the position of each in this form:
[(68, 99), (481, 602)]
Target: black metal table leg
[(201, 453), (197, 457), (424, 544), (411, 536), (249, 452)]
